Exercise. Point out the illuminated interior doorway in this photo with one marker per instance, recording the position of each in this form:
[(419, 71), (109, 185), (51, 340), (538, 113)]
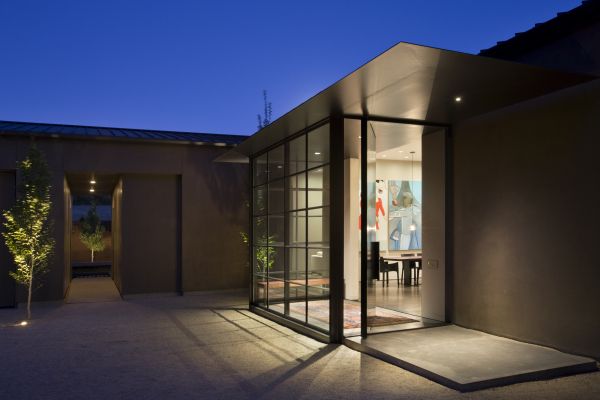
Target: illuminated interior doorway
[(394, 234)]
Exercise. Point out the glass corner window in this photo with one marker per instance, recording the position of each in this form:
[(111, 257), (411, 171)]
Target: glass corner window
[(291, 229)]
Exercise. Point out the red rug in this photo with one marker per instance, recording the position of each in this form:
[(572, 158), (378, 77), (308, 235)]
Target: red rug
[(319, 310)]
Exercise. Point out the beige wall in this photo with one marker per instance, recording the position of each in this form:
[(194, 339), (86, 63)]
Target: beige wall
[(117, 206), (526, 221), (213, 203), (7, 199), (149, 228)]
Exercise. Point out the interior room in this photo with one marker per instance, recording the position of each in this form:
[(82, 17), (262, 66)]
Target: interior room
[(394, 234)]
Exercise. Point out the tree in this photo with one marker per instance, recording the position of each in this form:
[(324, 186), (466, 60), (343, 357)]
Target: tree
[(92, 231), (28, 233), (265, 119)]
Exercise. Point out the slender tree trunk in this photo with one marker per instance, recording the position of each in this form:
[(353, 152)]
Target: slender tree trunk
[(92, 255), (29, 291)]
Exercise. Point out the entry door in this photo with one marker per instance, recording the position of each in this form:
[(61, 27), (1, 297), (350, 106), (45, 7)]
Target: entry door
[(431, 225)]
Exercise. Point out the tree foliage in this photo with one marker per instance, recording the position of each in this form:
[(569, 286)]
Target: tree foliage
[(28, 233), (265, 255), (263, 252), (264, 120), (92, 231)]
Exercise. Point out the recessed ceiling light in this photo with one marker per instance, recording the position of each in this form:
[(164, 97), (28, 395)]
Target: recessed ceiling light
[(317, 153), (92, 190), (384, 155), (279, 166), (400, 151), (406, 157), (93, 181), (458, 99)]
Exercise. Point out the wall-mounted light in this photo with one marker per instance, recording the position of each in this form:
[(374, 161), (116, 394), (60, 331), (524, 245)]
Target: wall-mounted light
[(458, 99), (92, 190), (93, 181), (317, 153)]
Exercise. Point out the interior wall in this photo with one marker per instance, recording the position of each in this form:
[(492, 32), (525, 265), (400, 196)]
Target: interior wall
[(526, 220), (433, 296), (7, 199), (351, 231), (149, 252)]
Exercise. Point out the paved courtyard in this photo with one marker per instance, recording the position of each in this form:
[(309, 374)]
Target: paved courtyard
[(207, 346)]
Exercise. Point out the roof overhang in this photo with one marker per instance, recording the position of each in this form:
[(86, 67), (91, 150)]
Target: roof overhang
[(418, 83)]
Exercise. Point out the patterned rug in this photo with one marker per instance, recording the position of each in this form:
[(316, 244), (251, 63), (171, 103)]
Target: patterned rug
[(319, 310)]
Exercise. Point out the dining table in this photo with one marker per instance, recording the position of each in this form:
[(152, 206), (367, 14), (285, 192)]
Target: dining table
[(408, 263)]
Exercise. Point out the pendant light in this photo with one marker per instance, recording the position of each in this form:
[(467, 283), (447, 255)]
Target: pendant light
[(413, 226)]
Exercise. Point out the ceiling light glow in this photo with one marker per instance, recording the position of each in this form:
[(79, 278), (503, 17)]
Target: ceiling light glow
[(458, 99)]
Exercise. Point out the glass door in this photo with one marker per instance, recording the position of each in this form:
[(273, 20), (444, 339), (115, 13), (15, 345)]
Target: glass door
[(397, 238)]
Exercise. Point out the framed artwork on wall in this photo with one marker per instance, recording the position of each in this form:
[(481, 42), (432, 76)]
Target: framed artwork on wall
[(404, 215)]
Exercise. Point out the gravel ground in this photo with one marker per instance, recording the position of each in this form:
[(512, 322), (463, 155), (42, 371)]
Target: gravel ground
[(207, 346)]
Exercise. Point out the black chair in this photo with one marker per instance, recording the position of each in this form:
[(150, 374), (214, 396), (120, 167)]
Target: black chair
[(418, 268), (385, 268)]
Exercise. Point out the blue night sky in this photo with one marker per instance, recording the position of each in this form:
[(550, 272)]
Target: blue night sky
[(201, 66)]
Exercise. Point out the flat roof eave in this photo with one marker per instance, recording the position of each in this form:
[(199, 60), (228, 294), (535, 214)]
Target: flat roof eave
[(420, 83)]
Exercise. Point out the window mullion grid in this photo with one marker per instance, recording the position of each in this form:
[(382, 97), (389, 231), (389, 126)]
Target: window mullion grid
[(306, 228), (267, 272)]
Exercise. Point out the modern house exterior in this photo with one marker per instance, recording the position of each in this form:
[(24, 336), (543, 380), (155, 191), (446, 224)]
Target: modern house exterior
[(508, 220), (469, 177)]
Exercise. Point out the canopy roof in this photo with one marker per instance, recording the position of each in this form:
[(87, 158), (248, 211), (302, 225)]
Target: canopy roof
[(416, 83)]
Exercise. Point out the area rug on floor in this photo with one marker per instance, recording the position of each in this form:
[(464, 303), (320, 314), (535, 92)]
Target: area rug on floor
[(319, 310)]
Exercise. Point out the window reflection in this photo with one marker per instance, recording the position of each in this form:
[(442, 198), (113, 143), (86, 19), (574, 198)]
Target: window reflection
[(291, 229)]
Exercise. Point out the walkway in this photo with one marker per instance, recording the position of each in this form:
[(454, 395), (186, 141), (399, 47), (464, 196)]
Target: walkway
[(467, 360), (206, 346), (92, 290)]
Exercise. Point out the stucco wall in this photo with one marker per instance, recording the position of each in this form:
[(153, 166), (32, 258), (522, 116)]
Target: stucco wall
[(150, 242), (7, 199), (526, 221), (213, 203)]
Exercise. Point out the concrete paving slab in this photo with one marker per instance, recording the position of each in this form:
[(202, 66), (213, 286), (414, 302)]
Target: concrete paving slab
[(467, 360), (92, 290), (143, 348)]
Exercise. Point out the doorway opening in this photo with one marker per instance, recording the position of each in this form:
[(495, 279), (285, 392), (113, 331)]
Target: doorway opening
[(91, 250), (394, 226)]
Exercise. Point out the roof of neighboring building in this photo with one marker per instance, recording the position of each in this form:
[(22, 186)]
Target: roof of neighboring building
[(546, 32), (97, 132)]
